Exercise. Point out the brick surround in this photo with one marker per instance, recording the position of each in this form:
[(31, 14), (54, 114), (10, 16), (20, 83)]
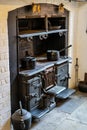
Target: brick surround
[(4, 73)]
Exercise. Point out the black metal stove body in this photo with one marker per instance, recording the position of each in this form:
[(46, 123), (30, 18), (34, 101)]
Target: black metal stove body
[(62, 79), (41, 86), (48, 81), (33, 90), (32, 34), (48, 76), (62, 74), (30, 90)]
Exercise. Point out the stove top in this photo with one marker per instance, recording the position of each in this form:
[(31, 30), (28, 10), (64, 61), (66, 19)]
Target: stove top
[(43, 64)]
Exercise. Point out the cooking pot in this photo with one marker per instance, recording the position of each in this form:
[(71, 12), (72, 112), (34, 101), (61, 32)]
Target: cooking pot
[(21, 119), (28, 62), (53, 55)]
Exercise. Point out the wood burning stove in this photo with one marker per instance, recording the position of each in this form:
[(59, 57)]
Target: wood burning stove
[(33, 34)]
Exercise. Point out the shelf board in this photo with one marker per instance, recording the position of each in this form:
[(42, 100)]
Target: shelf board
[(41, 32)]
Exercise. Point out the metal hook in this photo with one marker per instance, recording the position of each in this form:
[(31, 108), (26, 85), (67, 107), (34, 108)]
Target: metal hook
[(40, 36), (60, 34), (29, 39), (45, 36)]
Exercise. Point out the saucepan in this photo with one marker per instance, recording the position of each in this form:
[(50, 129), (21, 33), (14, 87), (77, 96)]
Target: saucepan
[(53, 55)]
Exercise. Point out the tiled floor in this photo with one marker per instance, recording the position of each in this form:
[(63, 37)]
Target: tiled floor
[(70, 114)]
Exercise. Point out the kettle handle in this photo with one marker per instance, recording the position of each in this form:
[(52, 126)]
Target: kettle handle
[(22, 124), (20, 104)]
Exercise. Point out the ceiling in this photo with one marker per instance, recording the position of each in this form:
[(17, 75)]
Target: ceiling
[(20, 2), (15, 2)]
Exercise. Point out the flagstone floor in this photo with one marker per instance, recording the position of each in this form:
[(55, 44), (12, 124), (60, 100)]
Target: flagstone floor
[(70, 114)]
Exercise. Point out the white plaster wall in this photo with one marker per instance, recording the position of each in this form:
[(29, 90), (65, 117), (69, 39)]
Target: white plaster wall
[(4, 73), (73, 19), (82, 40)]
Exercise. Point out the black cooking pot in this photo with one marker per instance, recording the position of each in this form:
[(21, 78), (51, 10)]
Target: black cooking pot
[(53, 55), (28, 62), (21, 119)]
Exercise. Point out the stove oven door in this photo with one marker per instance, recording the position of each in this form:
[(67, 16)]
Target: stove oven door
[(34, 92)]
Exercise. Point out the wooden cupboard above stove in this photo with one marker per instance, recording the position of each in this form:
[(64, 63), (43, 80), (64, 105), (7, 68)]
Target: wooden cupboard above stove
[(35, 26), (33, 30)]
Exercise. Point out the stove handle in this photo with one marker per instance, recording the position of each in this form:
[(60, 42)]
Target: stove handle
[(30, 96)]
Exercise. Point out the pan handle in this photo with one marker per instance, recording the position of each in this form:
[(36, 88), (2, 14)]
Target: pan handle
[(65, 48)]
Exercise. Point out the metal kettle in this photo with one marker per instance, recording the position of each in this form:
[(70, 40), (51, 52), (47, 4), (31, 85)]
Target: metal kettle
[(21, 119)]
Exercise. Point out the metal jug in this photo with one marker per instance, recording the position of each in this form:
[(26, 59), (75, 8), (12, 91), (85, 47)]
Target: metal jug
[(21, 119)]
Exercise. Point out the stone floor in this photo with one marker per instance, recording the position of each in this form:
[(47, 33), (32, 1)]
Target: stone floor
[(70, 114)]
